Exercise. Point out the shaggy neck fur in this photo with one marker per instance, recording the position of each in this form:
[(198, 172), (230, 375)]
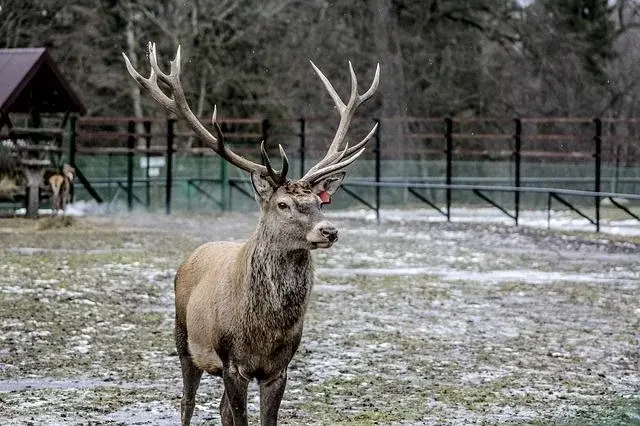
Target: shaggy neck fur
[(280, 280)]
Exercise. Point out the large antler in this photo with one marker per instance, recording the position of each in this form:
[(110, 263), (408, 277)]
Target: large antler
[(177, 104), (337, 159)]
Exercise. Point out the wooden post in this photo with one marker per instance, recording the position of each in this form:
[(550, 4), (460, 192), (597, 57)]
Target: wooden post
[(34, 170)]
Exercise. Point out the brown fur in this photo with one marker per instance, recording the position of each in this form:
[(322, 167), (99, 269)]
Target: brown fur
[(240, 306), (56, 182), (61, 187)]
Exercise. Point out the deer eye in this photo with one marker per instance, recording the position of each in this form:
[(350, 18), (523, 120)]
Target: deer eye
[(282, 206)]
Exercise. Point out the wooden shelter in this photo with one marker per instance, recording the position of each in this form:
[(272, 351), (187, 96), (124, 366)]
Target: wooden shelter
[(35, 104)]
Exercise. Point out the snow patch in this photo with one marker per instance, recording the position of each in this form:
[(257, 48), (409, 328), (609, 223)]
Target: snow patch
[(532, 218)]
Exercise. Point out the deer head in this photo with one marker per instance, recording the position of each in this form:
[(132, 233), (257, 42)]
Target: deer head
[(291, 207)]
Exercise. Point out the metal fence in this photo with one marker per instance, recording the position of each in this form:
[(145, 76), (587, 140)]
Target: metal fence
[(411, 160)]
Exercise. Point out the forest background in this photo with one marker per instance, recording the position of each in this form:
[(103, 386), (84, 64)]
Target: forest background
[(459, 58)]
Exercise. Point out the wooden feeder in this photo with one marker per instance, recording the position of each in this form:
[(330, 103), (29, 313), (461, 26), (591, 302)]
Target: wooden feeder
[(35, 104)]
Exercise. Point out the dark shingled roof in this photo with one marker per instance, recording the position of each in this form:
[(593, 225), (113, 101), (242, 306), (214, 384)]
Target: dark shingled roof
[(30, 79)]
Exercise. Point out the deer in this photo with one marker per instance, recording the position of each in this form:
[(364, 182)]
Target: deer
[(61, 184), (240, 306)]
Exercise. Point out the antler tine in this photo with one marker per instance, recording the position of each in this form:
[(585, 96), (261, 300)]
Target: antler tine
[(153, 61), (150, 84), (178, 104), (374, 85), (342, 159), (333, 156), (315, 176), (348, 151), (277, 178), (285, 165), (364, 141)]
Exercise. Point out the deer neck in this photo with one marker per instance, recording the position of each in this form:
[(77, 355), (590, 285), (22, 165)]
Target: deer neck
[(279, 279)]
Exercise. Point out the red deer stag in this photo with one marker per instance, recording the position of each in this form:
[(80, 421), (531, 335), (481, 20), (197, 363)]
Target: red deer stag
[(240, 306)]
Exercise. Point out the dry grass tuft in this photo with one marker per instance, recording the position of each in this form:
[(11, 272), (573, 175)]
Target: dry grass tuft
[(56, 222), (8, 186)]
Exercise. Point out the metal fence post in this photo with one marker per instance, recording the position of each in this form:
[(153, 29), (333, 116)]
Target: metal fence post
[(147, 137), (265, 130), (598, 160), (516, 159), (225, 188), (109, 166), (378, 154), (302, 136), (448, 137), (131, 140), (71, 155), (170, 136)]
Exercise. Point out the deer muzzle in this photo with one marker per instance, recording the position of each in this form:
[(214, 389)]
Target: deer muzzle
[(323, 235)]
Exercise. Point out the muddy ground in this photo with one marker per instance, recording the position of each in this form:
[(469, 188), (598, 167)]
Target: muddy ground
[(410, 323)]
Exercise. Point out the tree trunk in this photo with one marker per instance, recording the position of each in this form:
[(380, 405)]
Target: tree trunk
[(202, 95), (134, 88), (392, 80)]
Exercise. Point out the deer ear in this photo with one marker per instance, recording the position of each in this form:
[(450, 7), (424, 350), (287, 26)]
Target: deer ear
[(261, 186), (327, 186)]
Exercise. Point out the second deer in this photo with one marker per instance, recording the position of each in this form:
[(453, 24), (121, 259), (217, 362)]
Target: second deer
[(61, 184)]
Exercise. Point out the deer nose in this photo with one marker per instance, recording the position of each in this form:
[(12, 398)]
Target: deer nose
[(329, 232)]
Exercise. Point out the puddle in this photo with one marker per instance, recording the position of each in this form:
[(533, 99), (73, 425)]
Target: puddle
[(156, 413), (41, 250), (24, 384), (486, 277), (524, 276), (327, 288), (373, 272)]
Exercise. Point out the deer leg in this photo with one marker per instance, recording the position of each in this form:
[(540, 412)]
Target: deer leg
[(190, 381), (270, 397), (226, 416), (235, 390)]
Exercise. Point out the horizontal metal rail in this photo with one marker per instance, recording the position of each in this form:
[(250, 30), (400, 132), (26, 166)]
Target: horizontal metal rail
[(495, 188), (542, 179), (406, 185), (552, 193)]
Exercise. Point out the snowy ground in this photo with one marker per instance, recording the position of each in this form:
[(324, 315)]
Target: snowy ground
[(613, 221), (413, 321)]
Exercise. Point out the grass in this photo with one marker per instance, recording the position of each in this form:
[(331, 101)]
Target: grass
[(86, 317)]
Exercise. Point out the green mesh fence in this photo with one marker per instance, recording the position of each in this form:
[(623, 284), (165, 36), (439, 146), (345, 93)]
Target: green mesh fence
[(198, 182), (555, 153)]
